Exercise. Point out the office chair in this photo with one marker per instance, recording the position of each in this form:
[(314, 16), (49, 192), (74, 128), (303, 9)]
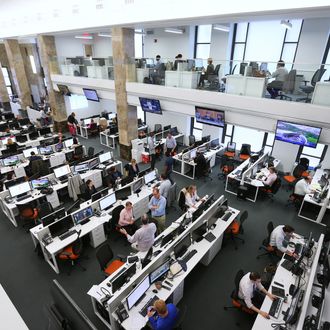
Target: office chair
[(28, 214), (237, 302), (271, 191), (104, 256), (44, 209), (192, 140), (304, 162), (230, 149), (213, 79), (291, 179), (171, 197), (182, 199), (158, 128), (114, 221), (245, 151), (182, 314), (73, 253), (270, 251), (236, 228), (93, 129), (90, 152), (78, 152), (308, 89), (226, 167), (288, 86)]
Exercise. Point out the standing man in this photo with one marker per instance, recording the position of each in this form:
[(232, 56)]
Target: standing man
[(249, 290), (72, 123), (168, 168), (170, 143), (152, 149), (165, 185), (144, 238), (157, 206)]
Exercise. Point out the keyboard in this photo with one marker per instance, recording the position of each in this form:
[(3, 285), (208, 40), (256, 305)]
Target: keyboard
[(64, 180), (287, 264), (150, 302), (21, 198), (189, 255), (275, 308), (209, 237), (279, 292), (67, 234), (226, 216), (158, 240)]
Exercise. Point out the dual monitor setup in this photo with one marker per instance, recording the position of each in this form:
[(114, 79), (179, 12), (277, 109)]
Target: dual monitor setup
[(90, 94)]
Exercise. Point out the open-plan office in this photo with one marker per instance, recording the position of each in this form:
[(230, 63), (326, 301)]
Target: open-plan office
[(247, 139)]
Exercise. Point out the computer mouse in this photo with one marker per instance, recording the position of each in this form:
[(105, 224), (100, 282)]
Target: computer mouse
[(155, 291), (109, 284)]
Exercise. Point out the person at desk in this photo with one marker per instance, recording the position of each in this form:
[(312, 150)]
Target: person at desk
[(165, 185), (162, 316), (280, 237), (152, 149), (75, 143), (34, 156), (249, 291), (201, 164), (280, 75), (90, 188), (205, 73), (158, 62), (144, 237), (170, 143), (72, 123), (133, 169), (113, 176), (58, 138), (11, 145), (303, 187), (178, 59), (191, 196), (126, 219), (271, 177), (157, 206)]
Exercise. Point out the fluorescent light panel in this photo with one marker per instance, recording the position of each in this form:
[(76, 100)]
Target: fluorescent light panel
[(105, 35), (84, 37), (286, 24), (221, 28), (173, 30)]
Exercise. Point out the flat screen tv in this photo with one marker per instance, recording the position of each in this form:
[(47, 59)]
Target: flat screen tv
[(64, 90), (91, 94), (303, 135), (150, 105), (210, 116)]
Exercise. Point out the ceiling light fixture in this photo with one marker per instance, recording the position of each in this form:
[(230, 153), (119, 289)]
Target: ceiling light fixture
[(221, 28), (89, 37), (105, 35), (286, 24), (173, 30)]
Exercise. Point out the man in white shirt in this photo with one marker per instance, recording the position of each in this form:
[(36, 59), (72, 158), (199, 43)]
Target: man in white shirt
[(280, 75), (302, 187), (279, 235), (165, 185), (249, 288), (143, 238), (271, 177)]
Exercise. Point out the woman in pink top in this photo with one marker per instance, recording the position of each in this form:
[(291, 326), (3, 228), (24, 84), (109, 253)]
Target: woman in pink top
[(126, 219)]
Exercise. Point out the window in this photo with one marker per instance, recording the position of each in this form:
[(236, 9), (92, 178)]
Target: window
[(138, 44), (78, 102), (141, 114), (203, 42), (228, 134), (239, 46), (315, 155), (247, 135), (196, 129), (7, 80), (269, 142), (33, 64)]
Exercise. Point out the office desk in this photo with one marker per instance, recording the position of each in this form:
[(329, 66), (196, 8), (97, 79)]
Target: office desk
[(234, 179), (310, 209), (206, 252), (183, 79), (108, 140), (9, 316), (285, 277)]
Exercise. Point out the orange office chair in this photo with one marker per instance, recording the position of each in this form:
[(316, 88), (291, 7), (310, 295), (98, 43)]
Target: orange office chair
[(236, 228), (297, 173), (28, 214), (104, 256), (238, 303), (245, 152), (270, 251), (271, 191), (230, 150), (73, 253), (226, 167)]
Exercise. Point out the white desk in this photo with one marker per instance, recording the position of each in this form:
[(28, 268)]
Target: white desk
[(9, 316), (183, 79), (247, 86)]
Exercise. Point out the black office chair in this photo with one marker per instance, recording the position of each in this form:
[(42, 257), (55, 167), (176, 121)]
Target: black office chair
[(114, 228), (288, 86), (158, 128), (245, 152), (90, 152), (270, 251), (213, 79), (271, 191), (226, 166), (308, 89), (78, 152), (44, 209), (182, 199)]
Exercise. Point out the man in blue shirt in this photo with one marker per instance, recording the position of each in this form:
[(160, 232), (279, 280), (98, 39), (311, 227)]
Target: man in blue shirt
[(157, 206), (162, 316)]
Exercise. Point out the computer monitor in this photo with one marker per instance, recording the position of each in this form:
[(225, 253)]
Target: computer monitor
[(323, 181), (144, 172), (253, 172), (3, 127), (24, 121), (160, 271), (122, 278), (242, 67), (80, 168), (45, 130), (10, 161), (27, 152), (126, 180), (52, 217), (87, 121), (62, 171), (167, 238), (45, 150), (82, 215), (33, 135), (199, 231), (264, 66), (174, 131), (123, 193), (60, 227), (166, 128), (40, 183), (74, 207), (137, 185), (105, 157), (151, 176), (106, 202), (58, 146), (181, 248), (19, 189), (99, 194), (215, 143), (68, 143), (197, 213), (193, 153), (93, 163), (206, 138), (4, 140), (138, 292), (147, 258), (14, 182), (21, 138)]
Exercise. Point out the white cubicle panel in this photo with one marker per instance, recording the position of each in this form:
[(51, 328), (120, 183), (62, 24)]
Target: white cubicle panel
[(321, 94), (247, 86), (235, 84)]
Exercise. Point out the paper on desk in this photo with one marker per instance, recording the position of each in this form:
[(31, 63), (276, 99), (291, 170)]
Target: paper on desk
[(19, 172)]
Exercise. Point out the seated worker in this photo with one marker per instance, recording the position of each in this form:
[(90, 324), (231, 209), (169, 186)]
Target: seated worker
[(75, 142), (191, 196), (11, 145), (34, 156), (126, 219), (162, 316), (178, 59), (90, 188), (201, 164), (280, 75), (271, 177), (205, 74), (113, 175), (133, 169), (144, 237), (303, 186), (165, 185), (280, 237), (91, 124), (58, 138), (249, 291)]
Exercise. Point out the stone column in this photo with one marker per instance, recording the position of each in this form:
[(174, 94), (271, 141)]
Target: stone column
[(4, 97), (124, 70), (48, 56), (18, 72)]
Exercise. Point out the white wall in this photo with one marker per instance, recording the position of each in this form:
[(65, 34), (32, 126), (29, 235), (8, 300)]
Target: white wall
[(168, 45), (286, 153), (102, 47), (215, 132)]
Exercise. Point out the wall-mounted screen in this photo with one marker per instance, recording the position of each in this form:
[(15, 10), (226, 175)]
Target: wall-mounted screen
[(150, 105), (303, 135), (210, 116), (91, 94)]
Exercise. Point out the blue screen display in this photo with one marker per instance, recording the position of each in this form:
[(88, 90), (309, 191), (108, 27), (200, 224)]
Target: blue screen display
[(150, 105)]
